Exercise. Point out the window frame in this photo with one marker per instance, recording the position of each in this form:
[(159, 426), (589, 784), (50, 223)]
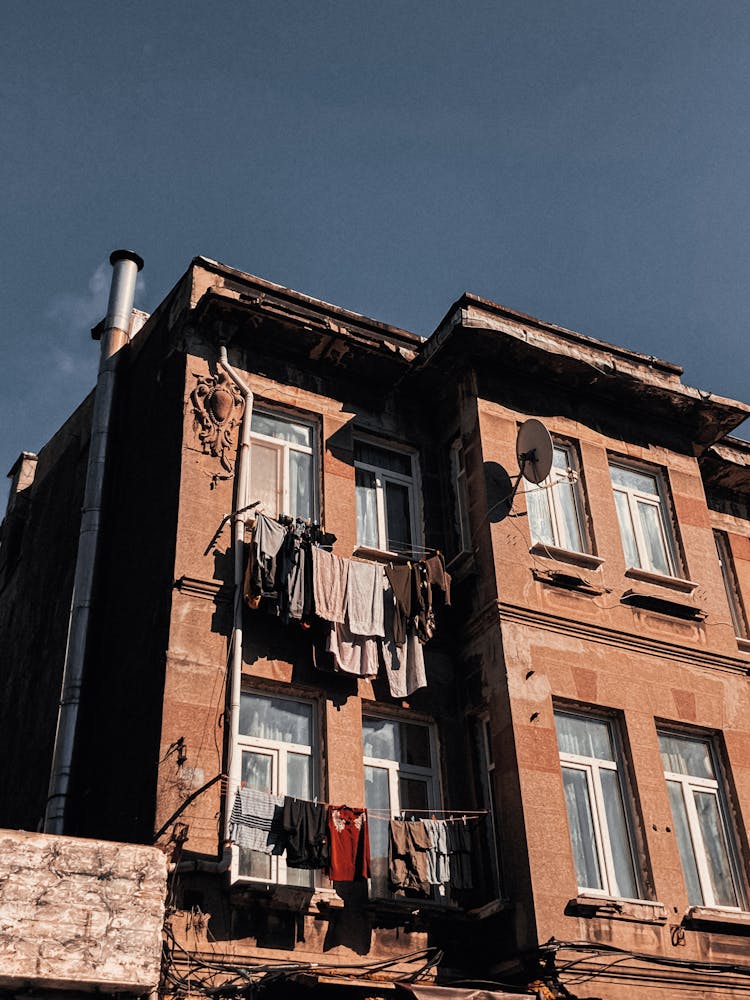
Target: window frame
[(461, 523), (731, 584), (689, 784), (396, 770), (666, 520), (555, 503), (382, 476), (278, 750), (283, 450), (591, 767)]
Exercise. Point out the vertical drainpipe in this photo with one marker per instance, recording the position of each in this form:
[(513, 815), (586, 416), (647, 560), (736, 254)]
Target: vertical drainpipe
[(240, 500), (125, 265)]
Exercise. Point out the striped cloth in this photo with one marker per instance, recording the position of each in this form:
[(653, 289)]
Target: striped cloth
[(257, 820)]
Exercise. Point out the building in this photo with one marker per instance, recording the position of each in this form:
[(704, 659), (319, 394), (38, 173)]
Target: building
[(585, 717)]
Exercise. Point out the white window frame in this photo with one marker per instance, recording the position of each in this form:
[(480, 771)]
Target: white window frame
[(277, 750), (734, 598), (382, 476), (555, 503), (591, 767), (395, 769), (689, 784), (660, 502), (461, 498), (283, 450)]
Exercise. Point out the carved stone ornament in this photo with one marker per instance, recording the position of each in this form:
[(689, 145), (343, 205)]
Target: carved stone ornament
[(218, 407)]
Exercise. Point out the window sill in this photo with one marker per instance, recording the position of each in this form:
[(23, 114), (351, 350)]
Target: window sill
[(661, 580), (272, 895), (677, 606), (642, 911), (381, 555), (718, 918), (584, 559), (568, 580)]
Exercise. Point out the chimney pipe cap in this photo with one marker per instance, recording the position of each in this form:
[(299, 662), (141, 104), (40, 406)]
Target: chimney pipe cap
[(126, 255)]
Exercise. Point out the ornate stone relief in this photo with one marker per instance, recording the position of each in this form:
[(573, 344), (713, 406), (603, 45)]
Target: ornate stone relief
[(218, 407)]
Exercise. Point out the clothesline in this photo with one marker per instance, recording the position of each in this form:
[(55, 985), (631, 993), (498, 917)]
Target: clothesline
[(448, 814)]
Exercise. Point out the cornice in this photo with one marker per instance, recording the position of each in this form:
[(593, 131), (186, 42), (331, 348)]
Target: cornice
[(497, 612)]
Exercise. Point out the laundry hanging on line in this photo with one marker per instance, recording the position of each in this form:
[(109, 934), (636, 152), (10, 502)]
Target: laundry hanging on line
[(371, 615)]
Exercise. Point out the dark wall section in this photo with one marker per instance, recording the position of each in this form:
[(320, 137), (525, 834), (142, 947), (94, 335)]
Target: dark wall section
[(35, 592), (115, 769)]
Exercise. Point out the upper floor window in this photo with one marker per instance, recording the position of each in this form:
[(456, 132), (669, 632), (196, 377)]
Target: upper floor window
[(736, 607), (701, 823), (386, 497), (277, 755), (399, 775), (597, 816), (461, 497), (282, 465), (556, 506), (642, 513)]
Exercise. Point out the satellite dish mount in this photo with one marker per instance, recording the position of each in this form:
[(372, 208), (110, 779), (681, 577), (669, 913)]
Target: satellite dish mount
[(534, 452)]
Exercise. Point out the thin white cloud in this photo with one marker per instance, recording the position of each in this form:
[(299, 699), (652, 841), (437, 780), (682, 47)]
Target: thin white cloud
[(73, 315)]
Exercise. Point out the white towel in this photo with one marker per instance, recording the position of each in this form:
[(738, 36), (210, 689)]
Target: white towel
[(404, 665), (353, 654), (364, 598)]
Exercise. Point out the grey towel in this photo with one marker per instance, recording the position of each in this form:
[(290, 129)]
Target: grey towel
[(364, 598), (257, 820), (330, 575), (438, 866)]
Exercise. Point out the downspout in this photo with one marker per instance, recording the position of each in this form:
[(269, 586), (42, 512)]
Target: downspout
[(125, 265), (242, 482)]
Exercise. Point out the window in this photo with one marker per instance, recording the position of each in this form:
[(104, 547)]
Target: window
[(277, 755), (461, 497), (739, 619), (599, 823), (642, 514), (282, 465), (555, 506), (399, 776), (700, 818), (386, 507)]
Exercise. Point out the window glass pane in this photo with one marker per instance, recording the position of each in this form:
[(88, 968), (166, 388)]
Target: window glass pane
[(715, 845), (257, 771), (685, 844), (651, 526), (413, 795), (300, 484), (681, 755), (584, 737), (380, 739), (382, 458), (398, 515), (378, 802), (581, 828), (254, 864), (284, 430), (276, 719), (567, 517), (627, 884), (415, 745), (264, 477), (633, 479), (540, 517), (299, 776), (626, 530), (367, 508), (560, 460)]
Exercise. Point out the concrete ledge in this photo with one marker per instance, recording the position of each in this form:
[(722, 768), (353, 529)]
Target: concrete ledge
[(82, 915)]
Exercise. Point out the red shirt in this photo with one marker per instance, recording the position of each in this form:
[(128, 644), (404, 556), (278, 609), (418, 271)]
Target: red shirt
[(349, 839)]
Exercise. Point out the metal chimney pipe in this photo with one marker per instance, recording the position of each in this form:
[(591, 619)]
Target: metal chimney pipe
[(126, 266)]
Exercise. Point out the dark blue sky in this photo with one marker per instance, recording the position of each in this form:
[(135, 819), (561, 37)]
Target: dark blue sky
[(586, 162)]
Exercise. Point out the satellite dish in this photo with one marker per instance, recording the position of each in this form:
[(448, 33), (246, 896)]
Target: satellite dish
[(534, 451)]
